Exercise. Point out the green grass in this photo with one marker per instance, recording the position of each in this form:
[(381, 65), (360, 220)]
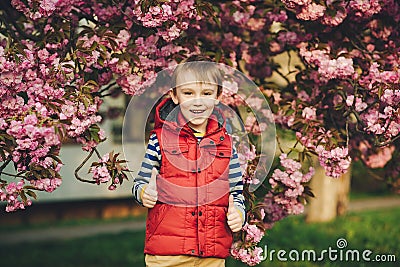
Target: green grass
[(370, 195), (70, 222), (377, 231)]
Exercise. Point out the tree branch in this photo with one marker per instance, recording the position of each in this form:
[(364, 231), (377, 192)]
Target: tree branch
[(12, 175), (283, 76), (9, 16), (80, 167)]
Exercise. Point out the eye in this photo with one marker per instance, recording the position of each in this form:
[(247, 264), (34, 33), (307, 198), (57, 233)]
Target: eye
[(187, 93), (208, 93)]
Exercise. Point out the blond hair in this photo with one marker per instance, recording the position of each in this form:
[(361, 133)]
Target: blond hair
[(204, 70)]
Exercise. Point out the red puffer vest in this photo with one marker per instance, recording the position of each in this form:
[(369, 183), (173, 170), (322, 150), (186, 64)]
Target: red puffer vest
[(189, 217)]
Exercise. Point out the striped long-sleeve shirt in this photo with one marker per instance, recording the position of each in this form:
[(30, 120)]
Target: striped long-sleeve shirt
[(152, 159)]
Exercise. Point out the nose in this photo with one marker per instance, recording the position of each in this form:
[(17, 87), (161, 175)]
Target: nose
[(197, 101)]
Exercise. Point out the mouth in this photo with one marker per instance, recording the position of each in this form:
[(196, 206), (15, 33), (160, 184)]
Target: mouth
[(197, 111)]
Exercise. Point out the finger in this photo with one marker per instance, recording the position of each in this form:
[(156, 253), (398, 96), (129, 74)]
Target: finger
[(231, 203), (149, 197), (151, 192), (230, 216), (235, 226), (233, 215), (235, 221), (149, 205), (236, 229), (153, 180)]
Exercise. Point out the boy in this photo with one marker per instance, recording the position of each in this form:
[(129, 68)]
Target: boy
[(196, 201)]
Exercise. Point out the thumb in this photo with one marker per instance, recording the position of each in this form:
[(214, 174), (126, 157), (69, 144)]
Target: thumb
[(231, 206), (153, 180)]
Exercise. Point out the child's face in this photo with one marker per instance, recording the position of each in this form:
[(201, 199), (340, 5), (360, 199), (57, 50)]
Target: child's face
[(196, 100)]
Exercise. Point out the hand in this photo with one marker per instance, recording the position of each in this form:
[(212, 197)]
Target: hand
[(149, 197), (235, 221)]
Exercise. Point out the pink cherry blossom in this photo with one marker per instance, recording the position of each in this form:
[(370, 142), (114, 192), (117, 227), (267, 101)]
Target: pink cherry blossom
[(250, 256), (309, 113), (335, 162), (312, 11)]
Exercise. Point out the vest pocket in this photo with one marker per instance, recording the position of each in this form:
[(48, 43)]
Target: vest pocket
[(175, 150), (175, 160), (221, 158)]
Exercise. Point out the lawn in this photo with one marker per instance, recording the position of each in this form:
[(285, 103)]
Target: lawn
[(377, 231)]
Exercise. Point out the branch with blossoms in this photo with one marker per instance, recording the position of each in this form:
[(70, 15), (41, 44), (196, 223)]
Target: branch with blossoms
[(58, 62), (347, 82), (287, 190), (109, 169), (271, 199), (342, 104)]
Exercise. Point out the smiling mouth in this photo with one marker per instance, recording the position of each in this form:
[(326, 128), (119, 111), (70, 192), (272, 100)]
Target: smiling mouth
[(197, 111)]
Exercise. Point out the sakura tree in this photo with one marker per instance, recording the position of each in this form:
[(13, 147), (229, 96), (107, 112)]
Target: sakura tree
[(60, 59), (343, 103)]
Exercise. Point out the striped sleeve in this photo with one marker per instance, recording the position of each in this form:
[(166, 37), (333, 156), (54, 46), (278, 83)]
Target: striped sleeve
[(236, 184), (151, 159)]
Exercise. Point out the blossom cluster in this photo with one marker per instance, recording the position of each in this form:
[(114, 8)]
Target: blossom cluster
[(80, 120), (250, 256), (43, 8), (247, 251), (109, 169), (175, 15), (32, 87), (365, 8), (46, 184), (286, 197), (383, 118), (152, 57), (378, 158), (31, 140), (335, 161), (33, 143), (253, 233), (329, 13), (287, 190), (12, 193), (328, 69), (100, 171)]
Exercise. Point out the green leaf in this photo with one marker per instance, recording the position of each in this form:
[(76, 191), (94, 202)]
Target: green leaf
[(218, 56), (301, 156), (31, 194), (307, 191), (113, 43), (23, 196), (29, 187), (217, 21), (93, 46)]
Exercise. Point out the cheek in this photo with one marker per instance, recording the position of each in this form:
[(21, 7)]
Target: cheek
[(209, 102), (185, 105)]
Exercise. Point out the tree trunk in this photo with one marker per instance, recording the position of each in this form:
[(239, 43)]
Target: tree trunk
[(331, 196)]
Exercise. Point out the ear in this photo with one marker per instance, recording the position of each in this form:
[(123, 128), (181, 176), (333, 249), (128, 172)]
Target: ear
[(173, 96), (216, 101)]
